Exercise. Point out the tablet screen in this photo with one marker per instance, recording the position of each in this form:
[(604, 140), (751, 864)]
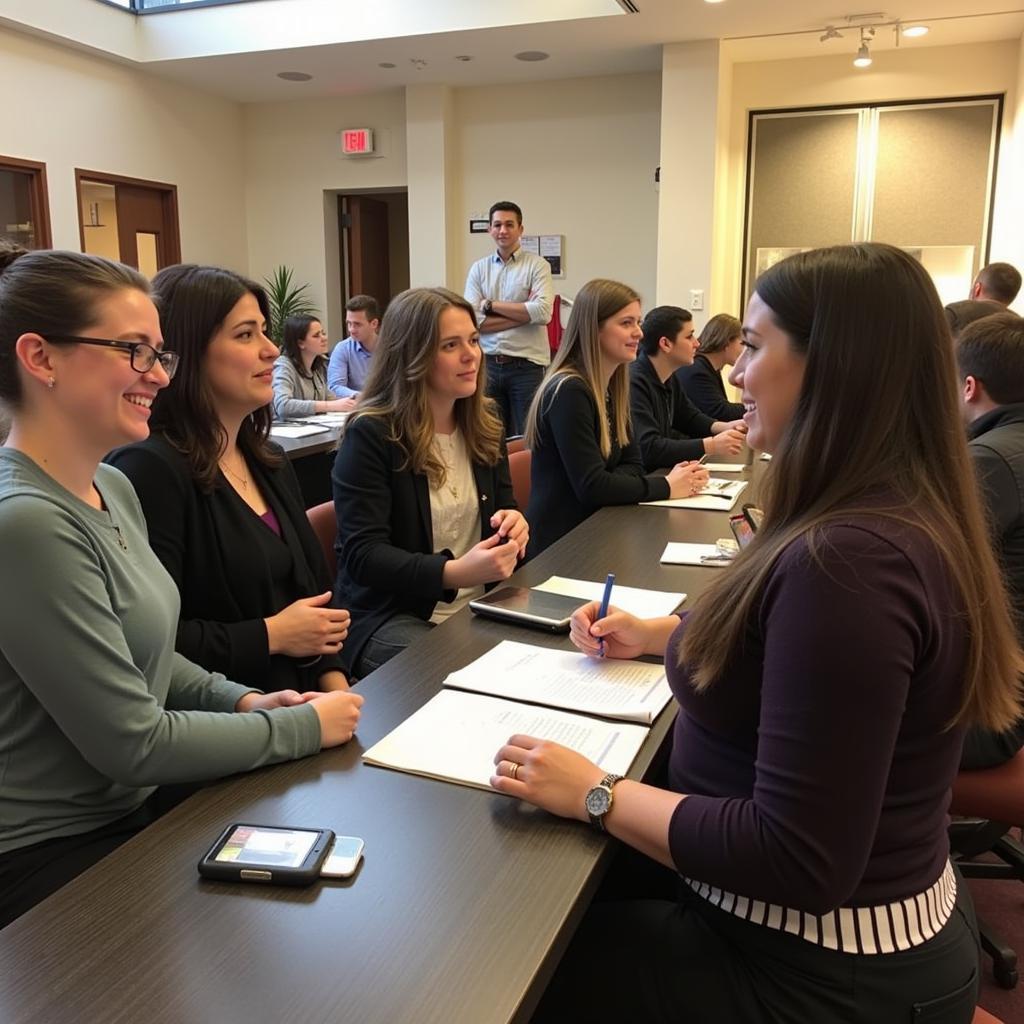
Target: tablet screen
[(283, 847)]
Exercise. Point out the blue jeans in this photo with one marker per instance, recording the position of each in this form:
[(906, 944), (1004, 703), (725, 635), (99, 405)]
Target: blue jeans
[(512, 384)]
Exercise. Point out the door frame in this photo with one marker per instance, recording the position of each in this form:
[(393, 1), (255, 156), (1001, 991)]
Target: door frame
[(40, 200), (168, 198)]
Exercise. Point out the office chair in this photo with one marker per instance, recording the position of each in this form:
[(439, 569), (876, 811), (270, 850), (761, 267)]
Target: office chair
[(324, 521), (992, 801), (519, 467), (515, 444)]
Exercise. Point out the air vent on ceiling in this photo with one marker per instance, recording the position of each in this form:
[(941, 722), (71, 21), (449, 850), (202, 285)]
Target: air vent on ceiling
[(628, 6)]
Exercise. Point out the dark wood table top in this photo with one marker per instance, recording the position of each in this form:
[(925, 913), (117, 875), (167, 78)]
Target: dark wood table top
[(461, 909)]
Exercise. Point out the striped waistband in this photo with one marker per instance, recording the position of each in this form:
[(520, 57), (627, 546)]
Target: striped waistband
[(885, 928)]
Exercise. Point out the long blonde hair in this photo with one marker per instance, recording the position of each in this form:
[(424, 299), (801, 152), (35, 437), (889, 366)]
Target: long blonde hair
[(579, 356), (877, 416), (396, 388)]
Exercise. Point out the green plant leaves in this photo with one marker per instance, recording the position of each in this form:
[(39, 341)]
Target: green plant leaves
[(285, 300)]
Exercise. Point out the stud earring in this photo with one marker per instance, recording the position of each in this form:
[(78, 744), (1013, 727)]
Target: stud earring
[(51, 382)]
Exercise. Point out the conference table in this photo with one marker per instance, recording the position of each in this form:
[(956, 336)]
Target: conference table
[(459, 913), (311, 457)]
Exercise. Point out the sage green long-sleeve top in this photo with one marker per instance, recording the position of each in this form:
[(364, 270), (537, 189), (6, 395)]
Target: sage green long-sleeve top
[(96, 708)]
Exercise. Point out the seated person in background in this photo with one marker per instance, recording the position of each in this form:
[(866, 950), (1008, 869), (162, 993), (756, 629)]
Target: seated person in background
[(668, 426), (825, 681), (96, 708), (966, 311), (720, 346), (222, 504), (990, 357), (349, 364), (300, 372), (583, 454), (426, 515), (999, 282)]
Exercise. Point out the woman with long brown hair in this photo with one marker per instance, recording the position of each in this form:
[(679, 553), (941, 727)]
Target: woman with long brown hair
[(426, 515), (720, 346), (223, 506), (578, 428), (825, 683), (300, 372)]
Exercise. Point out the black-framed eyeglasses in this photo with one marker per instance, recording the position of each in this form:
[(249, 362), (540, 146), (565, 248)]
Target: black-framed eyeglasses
[(143, 356)]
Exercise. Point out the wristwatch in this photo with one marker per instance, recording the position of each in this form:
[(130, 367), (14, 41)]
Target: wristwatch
[(487, 307), (599, 800)]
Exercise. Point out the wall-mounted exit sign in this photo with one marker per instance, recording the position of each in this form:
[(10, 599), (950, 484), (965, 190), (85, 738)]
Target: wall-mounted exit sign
[(357, 141)]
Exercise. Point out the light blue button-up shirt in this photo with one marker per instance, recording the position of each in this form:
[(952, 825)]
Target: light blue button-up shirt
[(348, 368)]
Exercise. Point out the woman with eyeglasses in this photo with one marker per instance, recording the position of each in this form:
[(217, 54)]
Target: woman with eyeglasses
[(96, 708), (300, 373), (223, 506)]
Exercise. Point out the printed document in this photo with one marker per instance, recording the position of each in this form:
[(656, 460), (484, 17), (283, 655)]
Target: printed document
[(644, 604)]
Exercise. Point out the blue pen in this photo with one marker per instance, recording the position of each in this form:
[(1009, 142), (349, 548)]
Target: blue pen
[(603, 610)]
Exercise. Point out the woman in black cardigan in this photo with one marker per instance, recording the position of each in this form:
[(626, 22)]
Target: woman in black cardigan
[(426, 515), (223, 507), (720, 346)]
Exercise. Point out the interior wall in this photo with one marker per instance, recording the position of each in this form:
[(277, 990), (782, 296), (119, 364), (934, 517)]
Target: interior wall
[(579, 157), (293, 169), (82, 111), (906, 74)]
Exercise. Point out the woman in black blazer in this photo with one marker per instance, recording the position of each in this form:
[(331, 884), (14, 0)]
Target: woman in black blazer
[(223, 507), (720, 346), (426, 515), (578, 427)]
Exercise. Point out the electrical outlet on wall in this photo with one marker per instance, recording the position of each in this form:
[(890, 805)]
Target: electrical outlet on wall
[(696, 298)]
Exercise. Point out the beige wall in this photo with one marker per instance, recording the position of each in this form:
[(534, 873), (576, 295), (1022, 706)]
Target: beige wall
[(80, 111), (919, 74), (293, 169), (579, 158)]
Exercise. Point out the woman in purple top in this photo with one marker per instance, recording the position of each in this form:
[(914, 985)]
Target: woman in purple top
[(824, 681), (222, 505)]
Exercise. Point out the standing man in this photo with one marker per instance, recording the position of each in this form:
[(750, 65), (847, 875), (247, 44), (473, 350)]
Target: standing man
[(990, 356), (350, 361), (999, 282), (668, 427), (513, 293)]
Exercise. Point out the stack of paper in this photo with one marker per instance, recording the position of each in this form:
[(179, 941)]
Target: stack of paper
[(693, 554), (724, 467), (456, 734), (718, 495), (295, 430), (644, 604)]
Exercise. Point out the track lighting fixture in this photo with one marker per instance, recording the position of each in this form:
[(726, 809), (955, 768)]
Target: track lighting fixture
[(867, 24), (863, 58)]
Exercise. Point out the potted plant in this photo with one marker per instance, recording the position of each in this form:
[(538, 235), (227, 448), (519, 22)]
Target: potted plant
[(285, 300)]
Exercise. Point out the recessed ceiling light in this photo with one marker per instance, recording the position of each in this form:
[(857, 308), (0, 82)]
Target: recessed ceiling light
[(294, 76), (387, 64), (532, 55), (712, 1), (464, 57), (913, 31)]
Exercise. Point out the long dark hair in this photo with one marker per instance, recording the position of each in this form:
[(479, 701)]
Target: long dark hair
[(193, 302), (48, 291), (579, 355), (396, 389), (877, 418), (295, 330)]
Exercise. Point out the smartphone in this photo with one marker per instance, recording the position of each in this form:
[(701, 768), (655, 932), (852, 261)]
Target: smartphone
[(267, 853), (344, 857)]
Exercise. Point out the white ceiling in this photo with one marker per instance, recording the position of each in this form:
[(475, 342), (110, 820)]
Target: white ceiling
[(618, 44)]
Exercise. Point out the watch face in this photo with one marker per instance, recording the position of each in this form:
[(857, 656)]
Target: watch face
[(598, 801)]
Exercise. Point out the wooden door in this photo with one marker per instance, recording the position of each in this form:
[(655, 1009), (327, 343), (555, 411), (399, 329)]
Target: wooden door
[(369, 264)]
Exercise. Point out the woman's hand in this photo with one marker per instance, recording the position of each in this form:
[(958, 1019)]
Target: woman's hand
[(686, 479), (546, 774), (491, 560), (511, 524), (269, 701), (307, 627), (338, 712), (727, 442), (338, 404), (624, 635)]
